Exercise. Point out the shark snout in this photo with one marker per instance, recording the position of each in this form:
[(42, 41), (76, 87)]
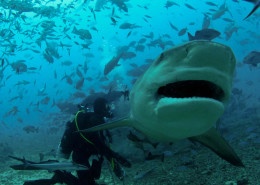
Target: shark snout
[(205, 54)]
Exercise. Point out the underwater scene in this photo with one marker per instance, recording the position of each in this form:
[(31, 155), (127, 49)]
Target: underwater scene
[(159, 92)]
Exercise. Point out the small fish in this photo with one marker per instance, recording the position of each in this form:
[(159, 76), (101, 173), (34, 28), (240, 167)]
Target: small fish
[(189, 6), (113, 12), (257, 4), (79, 83), (173, 27), (23, 82), (66, 63), (148, 16), (128, 26), (48, 57), (94, 15), (113, 20), (129, 33), (170, 3), (211, 4), (79, 73), (182, 31), (227, 20), (205, 34), (142, 175), (206, 21), (30, 129), (112, 64), (253, 58), (32, 68), (82, 33), (220, 12), (55, 74), (2, 62)]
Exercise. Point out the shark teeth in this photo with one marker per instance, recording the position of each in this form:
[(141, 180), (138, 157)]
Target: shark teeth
[(191, 89)]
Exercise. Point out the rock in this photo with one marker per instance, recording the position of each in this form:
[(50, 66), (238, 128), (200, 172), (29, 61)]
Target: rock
[(230, 183)]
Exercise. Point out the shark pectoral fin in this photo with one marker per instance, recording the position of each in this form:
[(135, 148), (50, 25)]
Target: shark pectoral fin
[(213, 140), (125, 122)]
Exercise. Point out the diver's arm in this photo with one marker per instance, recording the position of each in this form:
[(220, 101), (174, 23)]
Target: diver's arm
[(66, 145), (109, 154)]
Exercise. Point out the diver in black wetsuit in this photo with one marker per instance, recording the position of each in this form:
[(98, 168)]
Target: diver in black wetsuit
[(83, 146)]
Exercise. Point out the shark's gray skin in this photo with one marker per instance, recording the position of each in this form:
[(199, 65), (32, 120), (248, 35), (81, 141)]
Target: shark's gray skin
[(182, 95), (50, 165)]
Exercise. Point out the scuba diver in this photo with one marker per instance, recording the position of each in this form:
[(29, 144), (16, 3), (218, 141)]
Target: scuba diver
[(84, 146)]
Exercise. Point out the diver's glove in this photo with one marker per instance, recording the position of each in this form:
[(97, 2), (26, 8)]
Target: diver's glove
[(95, 168), (119, 171), (122, 160)]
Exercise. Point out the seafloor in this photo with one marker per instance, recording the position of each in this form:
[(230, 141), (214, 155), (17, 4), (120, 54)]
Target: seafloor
[(187, 164)]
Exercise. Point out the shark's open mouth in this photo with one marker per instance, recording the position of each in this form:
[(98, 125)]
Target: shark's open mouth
[(191, 88)]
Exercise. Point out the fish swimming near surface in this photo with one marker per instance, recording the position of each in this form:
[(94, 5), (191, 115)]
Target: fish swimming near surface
[(257, 4), (50, 165), (205, 34), (182, 95)]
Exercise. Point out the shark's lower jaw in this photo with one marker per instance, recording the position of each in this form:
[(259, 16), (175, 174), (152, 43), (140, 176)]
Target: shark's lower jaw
[(188, 108), (191, 89)]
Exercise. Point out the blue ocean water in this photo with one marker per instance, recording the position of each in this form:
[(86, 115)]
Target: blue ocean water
[(32, 88)]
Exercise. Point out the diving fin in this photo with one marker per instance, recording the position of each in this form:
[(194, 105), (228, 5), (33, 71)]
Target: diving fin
[(124, 122), (213, 140)]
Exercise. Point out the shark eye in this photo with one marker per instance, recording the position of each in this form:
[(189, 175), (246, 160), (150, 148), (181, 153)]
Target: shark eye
[(161, 57), (187, 50)]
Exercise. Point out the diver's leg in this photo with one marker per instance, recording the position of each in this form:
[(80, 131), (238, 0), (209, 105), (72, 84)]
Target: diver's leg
[(70, 179), (86, 178), (59, 177), (40, 182), (118, 170)]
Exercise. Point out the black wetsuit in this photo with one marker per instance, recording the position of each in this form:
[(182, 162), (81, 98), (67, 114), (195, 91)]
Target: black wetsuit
[(82, 149)]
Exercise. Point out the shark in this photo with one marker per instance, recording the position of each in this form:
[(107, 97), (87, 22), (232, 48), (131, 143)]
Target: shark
[(49, 165), (182, 95)]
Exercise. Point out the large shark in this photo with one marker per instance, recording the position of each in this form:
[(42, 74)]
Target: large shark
[(182, 95)]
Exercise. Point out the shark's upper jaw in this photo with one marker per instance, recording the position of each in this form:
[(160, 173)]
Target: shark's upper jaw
[(191, 89)]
